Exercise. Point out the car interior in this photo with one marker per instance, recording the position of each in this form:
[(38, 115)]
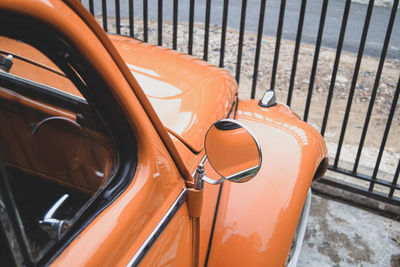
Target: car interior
[(51, 143)]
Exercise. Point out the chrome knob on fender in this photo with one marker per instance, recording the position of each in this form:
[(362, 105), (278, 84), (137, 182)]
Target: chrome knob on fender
[(268, 99)]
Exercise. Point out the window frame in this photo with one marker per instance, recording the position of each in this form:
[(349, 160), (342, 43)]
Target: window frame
[(68, 58)]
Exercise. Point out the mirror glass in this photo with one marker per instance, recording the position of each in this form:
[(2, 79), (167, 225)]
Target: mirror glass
[(232, 151)]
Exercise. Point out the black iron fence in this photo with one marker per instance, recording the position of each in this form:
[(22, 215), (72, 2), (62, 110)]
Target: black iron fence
[(359, 172)]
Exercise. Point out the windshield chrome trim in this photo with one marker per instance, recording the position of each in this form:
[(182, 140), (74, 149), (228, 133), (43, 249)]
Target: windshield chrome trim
[(162, 224)]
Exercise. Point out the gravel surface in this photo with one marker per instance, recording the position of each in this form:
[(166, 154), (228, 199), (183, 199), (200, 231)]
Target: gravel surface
[(363, 88)]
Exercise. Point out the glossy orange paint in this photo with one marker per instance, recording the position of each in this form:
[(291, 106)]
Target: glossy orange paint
[(210, 196), (172, 251), (180, 88), (292, 151), (131, 218), (256, 220)]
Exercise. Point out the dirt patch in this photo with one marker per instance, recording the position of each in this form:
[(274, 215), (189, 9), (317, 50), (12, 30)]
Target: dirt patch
[(338, 246), (362, 252), (395, 260), (396, 240), (327, 249)]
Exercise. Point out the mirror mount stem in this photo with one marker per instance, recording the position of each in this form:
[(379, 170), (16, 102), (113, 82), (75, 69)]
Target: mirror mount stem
[(200, 177)]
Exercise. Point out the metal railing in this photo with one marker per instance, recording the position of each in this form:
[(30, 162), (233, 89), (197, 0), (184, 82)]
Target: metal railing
[(139, 12)]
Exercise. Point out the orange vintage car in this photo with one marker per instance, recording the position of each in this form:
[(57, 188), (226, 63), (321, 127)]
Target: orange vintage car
[(115, 152)]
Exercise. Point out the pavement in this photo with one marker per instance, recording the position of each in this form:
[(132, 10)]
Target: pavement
[(376, 33), (339, 234)]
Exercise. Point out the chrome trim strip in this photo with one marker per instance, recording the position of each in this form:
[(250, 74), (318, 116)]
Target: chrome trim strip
[(301, 231), (162, 224), (49, 88)]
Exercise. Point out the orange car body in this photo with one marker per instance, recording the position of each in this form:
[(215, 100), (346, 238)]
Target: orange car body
[(171, 99)]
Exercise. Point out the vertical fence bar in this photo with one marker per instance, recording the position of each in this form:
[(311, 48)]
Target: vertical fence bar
[(296, 51), (207, 30), (315, 60), (278, 43), (223, 33), (175, 25), (117, 17), (385, 135), (160, 22), (354, 80), (395, 179), (191, 25), (335, 66), (91, 7), (145, 20), (375, 88), (241, 35), (131, 21), (258, 48), (104, 14)]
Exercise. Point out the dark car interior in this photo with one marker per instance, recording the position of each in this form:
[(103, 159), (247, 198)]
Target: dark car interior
[(51, 145)]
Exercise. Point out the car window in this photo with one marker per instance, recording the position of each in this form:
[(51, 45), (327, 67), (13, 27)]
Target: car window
[(55, 150)]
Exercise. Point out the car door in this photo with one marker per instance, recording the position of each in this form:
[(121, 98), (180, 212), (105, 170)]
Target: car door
[(75, 127)]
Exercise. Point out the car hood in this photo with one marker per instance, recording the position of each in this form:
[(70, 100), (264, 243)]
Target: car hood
[(187, 94)]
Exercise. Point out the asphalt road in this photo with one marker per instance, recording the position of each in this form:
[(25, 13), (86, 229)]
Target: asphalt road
[(376, 34)]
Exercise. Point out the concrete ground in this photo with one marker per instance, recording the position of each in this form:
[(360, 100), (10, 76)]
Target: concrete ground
[(342, 235)]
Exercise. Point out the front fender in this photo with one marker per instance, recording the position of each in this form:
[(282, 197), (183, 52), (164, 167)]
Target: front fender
[(257, 220)]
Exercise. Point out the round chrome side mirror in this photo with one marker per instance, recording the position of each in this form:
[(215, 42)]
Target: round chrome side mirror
[(232, 151)]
